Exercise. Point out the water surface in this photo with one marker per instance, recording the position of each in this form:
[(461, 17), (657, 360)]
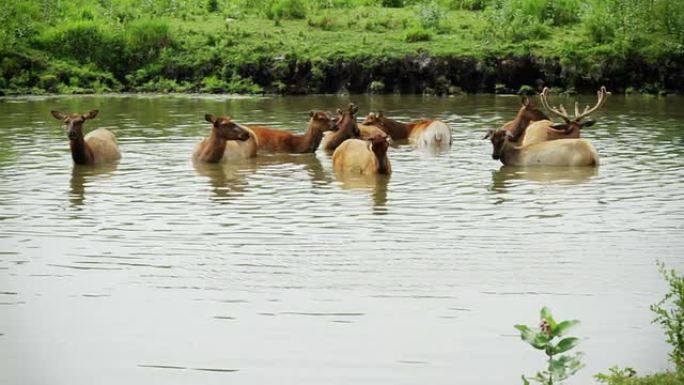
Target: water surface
[(154, 270)]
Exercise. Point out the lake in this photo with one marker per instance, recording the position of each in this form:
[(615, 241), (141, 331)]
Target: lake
[(276, 270)]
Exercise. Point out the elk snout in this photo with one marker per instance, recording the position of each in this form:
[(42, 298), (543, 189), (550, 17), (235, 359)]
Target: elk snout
[(243, 136)]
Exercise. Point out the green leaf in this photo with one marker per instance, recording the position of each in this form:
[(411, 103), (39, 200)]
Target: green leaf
[(522, 328), (565, 326), (566, 344), (546, 315), (525, 381)]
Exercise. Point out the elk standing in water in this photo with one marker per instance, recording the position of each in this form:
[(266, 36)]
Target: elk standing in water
[(420, 133), (99, 146), (347, 128), (544, 130), (282, 141), (559, 152), (527, 114), (214, 149), (363, 156)]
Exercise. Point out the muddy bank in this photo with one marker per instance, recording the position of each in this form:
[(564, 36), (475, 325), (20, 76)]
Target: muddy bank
[(417, 74), (451, 75)]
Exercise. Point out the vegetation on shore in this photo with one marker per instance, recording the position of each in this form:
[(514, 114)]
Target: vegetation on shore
[(328, 46)]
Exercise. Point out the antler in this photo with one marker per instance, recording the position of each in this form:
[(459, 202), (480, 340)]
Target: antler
[(602, 97), (560, 111)]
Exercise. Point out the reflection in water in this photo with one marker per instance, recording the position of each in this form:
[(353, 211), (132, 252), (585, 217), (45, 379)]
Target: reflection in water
[(227, 180), (374, 183), (81, 175), (504, 176)]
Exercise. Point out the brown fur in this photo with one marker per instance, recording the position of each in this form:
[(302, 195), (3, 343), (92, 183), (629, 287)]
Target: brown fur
[(346, 128), (421, 132), (528, 113), (282, 141), (212, 149), (98, 147)]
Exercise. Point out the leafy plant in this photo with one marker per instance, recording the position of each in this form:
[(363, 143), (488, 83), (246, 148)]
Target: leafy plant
[(670, 314), (560, 367), (628, 376)]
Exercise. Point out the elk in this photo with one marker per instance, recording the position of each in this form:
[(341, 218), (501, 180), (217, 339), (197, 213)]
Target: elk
[(559, 152), (282, 141), (214, 149), (421, 133), (99, 146), (363, 156), (527, 114), (547, 130), (347, 128)]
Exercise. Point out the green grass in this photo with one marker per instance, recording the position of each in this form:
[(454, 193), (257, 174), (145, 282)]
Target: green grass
[(267, 45)]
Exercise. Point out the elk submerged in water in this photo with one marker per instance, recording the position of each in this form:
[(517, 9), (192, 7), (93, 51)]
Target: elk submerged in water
[(214, 149), (272, 140), (99, 146), (421, 133)]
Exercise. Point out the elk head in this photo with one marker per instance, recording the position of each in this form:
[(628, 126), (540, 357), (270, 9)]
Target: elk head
[(346, 120), (575, 123), (227, 129), (74, 122), (322, 121), (498, 139)]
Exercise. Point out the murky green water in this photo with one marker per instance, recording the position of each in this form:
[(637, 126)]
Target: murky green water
[(277, 271)]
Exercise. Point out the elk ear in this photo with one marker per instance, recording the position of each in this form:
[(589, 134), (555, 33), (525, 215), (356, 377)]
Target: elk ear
[(353, 109), (488, 134), (91, 114), (210, 118), (58, 115), (339, 112), (559, 126), (524, 100), (380, 114), (311, 113), (588, 123)]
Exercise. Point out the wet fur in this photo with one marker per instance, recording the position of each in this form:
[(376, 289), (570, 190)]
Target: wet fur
[(272, 140), (361, 156)]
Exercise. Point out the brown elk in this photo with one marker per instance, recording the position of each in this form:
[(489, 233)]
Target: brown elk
[(347, 128), (527, 114), (282, 141), (363, 156), (99, 146), (213, 149), (421, 133)]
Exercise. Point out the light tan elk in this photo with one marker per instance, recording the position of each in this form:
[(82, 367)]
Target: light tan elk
[(544, 130), (214, 149), (559, 152), (99, 146), (363, 156)]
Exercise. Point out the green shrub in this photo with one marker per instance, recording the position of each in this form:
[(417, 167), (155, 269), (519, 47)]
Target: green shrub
[(628, 376), (146, 38), (670, 315), (416, 34), (324, 22), (392, 3), (377, 87), (430, 14), (212, 6), (287, 9), (560, 368), (471, 5)]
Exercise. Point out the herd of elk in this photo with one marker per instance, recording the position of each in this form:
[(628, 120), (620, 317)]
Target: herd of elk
[(531, 138)]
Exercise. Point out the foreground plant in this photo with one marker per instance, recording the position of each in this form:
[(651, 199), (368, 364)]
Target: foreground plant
[(670, 315), (560, 367)]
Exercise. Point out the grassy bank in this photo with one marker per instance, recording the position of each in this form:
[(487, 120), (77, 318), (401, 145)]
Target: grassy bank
[(327, 46)]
